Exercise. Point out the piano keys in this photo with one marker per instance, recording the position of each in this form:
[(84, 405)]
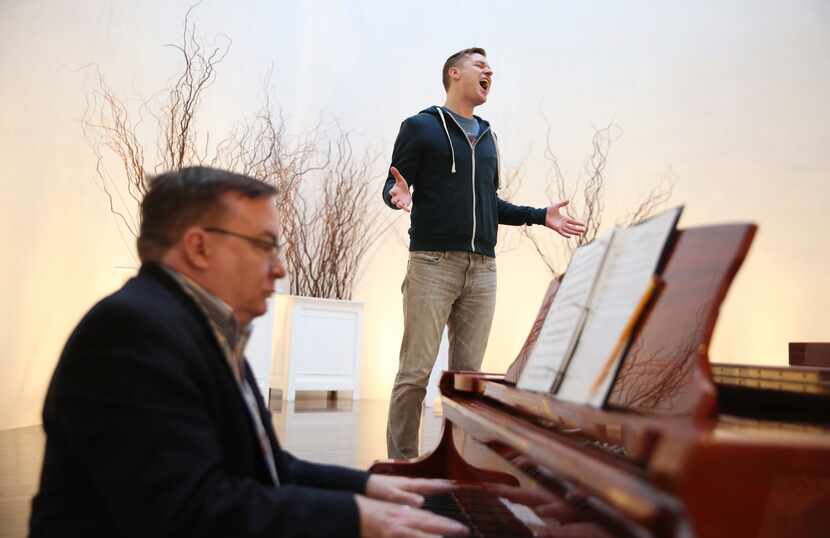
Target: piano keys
[(483, 513)]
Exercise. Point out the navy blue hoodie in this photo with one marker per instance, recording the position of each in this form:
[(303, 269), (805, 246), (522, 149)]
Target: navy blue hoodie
[(454, 182)]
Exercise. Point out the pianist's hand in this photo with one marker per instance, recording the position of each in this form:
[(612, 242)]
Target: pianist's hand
[(403, 490), (564, 509), (380, 519), (562, 224)]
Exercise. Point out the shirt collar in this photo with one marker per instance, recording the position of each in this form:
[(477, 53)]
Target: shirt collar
[(219, 314)]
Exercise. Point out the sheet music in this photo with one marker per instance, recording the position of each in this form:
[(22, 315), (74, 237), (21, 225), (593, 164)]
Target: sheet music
[(625, 279), (565, 318)]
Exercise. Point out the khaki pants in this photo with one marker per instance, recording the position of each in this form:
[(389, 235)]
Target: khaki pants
[(456, 289)]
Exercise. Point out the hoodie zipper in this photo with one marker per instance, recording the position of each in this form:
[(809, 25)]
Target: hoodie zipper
[(473, 151)]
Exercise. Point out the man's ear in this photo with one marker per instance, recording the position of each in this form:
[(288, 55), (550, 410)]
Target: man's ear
[(454, 73), (196, 247)]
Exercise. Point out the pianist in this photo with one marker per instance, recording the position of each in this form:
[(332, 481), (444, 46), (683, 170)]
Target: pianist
[(155, 426)]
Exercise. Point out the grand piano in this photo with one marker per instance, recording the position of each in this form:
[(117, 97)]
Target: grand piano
[(681, 448)]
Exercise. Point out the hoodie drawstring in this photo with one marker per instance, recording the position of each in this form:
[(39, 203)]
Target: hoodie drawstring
[(452, 149), (498, 159)]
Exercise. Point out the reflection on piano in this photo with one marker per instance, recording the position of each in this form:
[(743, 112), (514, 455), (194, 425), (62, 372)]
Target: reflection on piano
[(676, 451)]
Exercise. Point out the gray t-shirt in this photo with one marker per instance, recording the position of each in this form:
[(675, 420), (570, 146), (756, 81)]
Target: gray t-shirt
[(469, 125)]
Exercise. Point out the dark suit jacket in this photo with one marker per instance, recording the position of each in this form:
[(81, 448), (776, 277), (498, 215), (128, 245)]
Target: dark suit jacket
[(148, 435)]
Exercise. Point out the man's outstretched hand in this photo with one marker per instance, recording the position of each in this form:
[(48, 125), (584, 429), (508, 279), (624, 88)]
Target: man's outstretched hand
[(399, 194), (563, 224)]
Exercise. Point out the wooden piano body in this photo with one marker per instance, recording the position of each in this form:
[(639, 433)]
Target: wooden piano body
[(668, 455)]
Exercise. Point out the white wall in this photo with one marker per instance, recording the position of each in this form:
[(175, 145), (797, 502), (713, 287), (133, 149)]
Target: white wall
[(728, 96)]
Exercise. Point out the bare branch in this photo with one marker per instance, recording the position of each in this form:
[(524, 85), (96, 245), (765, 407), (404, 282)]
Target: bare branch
[(108, 127), (587, 199), (331, 218), (509, 186)]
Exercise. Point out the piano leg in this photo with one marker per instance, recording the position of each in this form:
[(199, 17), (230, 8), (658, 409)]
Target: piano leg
[(443, 462)]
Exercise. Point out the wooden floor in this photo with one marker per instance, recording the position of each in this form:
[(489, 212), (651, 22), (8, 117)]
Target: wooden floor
[(355, 434)]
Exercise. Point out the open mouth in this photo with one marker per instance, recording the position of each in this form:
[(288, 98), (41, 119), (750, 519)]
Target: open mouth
[(484, 83)]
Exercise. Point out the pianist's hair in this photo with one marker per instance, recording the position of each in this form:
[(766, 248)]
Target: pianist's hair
[(179, 199), (454, 59)]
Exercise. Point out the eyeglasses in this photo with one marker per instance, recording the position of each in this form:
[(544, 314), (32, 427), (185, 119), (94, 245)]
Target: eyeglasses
[(270, 247)]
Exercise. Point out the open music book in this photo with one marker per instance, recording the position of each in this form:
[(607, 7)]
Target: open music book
[(603, 293)]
